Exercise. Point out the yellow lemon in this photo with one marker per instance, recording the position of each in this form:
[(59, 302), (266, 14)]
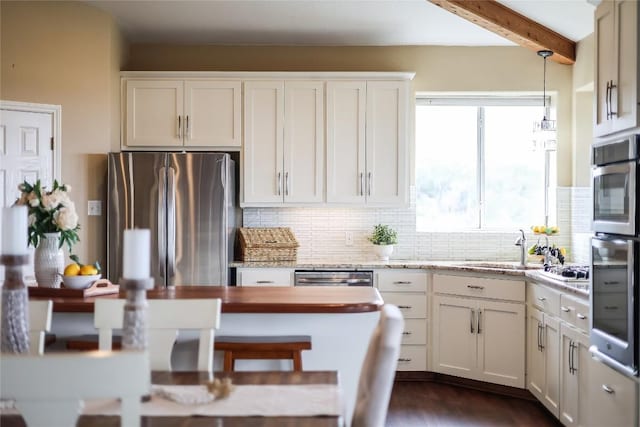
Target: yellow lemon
[(72, 270), (88, 270)]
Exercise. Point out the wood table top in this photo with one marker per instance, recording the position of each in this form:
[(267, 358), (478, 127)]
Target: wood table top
[(239, 378), (301, 299)]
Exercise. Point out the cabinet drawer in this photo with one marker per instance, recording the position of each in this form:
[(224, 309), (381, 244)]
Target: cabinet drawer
[(412, 358), (412, 306), (575, 311), (611, 306), (544, 298), (513, 290), (402, 281), (264, 277), (612, 397), (415, 331)]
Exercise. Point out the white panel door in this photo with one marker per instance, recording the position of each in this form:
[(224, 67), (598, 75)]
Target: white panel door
[(346, 103), (501, 343), (613, 398), (454, 345), (263, 142), (304, 142), (535, 353), (386, 136), (625, 96), (604, 65), (552, 364), (213, 113), (154, 116), (573, 374), (25, 152)]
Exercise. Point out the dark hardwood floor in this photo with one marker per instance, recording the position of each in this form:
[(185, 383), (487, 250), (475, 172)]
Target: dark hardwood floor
[(427, 403)]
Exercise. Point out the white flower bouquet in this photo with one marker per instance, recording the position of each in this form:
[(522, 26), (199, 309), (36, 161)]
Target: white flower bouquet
[(50, 212)]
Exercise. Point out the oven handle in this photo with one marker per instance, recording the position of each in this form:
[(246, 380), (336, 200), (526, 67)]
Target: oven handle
[(624, 244), (621, 168)]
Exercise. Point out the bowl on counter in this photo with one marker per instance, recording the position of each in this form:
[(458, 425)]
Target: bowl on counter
[(80, 282)]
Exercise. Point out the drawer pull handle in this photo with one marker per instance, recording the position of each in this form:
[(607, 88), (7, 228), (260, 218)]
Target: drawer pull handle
[(406, 307), (581, 316), (402, 282), (615, 282), (404, 359), (406, 333), (543, 299), (610, 307), (565, 309), (608, 389), (475, 287), (264, 281)]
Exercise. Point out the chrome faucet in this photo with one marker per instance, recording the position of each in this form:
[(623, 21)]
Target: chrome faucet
[(522, 242)]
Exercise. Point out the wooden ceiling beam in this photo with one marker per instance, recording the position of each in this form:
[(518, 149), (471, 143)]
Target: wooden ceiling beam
[(499, 19)]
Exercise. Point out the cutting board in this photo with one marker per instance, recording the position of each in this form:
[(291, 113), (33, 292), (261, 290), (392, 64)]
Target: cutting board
[(99, 287)]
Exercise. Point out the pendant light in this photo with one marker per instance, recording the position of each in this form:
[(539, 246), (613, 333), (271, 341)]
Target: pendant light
[(545, 125)]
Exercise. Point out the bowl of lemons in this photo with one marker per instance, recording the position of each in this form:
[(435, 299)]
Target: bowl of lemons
[(80, 276)]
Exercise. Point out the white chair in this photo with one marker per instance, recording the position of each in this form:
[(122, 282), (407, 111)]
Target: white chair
[(164, 319), (39, 324), (378, 370), (49, 390)]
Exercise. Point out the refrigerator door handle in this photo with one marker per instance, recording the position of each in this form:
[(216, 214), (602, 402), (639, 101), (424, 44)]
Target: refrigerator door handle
[(171, 226), (162, 221)]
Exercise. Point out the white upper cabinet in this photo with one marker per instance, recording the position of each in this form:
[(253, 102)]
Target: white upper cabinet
[(284, 142), (616, 66), (177, 113), (263, 141), (367, 142)]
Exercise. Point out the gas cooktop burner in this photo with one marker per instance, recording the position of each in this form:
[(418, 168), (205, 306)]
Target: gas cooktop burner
[(575, 275)]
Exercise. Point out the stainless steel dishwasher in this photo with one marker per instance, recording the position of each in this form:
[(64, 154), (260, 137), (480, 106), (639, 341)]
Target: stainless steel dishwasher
[(333, 278)]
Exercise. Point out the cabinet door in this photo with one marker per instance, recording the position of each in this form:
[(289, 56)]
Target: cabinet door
[(535, 353), (625, 95), (346, 103), (304, 142), (501, 343), (604, 65), (386, 135), (575, 346), (552, 364), (454, 340), (264, 277), (212, 113), (263, 141), (154, 115)]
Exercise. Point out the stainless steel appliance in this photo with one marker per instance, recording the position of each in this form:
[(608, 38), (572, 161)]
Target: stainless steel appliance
[(615, 163), (187, 200), (614, 301), (333, 278)]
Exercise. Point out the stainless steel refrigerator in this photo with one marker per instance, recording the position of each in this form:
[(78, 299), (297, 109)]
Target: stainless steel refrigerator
[(187, 200)]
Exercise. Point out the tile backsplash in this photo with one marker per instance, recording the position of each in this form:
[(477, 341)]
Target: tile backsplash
[(322, 232)]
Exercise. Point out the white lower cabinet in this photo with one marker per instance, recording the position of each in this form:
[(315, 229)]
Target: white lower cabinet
[(543, 351), (575, 362), (611, 398), (407, 289), (264, 277), (477, 338)]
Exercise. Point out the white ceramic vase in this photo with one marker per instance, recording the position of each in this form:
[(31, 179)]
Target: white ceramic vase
[(383, 252), (48, 261)]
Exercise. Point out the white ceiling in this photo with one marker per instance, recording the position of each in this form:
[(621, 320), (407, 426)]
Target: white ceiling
[(328, 22)]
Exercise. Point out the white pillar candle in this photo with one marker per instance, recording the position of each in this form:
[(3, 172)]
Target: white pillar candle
[(135, 254), (14, 230)]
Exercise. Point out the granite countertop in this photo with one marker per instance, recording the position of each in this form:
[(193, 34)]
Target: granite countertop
[(506, 268)]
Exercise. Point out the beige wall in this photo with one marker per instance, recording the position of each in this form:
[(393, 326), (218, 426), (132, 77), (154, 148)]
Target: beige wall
[(68, 53), (583, 111), (437, 68)]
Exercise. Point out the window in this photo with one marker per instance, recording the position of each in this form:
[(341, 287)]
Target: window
[(477, 166)]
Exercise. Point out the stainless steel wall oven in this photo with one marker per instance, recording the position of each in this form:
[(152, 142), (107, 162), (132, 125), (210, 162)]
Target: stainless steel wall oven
[(615, 254)]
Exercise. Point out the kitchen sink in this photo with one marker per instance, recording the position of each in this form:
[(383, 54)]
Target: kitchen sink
[(501, 265)]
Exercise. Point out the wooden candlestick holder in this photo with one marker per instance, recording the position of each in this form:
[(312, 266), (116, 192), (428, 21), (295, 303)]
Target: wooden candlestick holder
[(134, 325), (15, 306)]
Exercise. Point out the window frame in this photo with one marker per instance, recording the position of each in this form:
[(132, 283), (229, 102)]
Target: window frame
[(480, 102)]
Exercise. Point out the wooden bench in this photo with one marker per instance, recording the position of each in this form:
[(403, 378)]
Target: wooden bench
[(262, 347)]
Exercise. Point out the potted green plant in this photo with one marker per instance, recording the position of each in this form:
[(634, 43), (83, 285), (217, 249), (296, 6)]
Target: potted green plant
[(383, 239)]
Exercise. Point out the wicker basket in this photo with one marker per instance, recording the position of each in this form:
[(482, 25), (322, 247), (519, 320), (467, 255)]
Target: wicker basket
[(268, 244)]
